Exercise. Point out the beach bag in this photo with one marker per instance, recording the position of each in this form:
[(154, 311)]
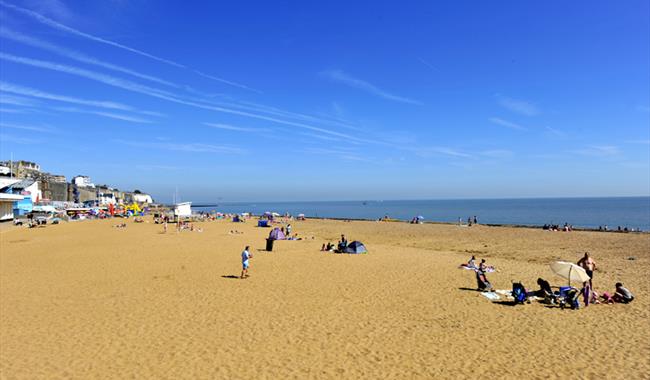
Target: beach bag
[(519, 292)]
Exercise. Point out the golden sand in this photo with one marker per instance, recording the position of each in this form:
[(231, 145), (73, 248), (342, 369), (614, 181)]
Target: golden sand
[(87, 301)]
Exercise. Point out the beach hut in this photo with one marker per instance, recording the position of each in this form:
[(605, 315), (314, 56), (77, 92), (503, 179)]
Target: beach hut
[(183, 210), (356, 247)]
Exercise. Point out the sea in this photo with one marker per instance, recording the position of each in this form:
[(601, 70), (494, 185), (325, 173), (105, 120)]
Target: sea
[(630, 212)]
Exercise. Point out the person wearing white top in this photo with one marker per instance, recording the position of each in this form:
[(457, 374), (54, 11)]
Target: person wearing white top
[(245, 257)]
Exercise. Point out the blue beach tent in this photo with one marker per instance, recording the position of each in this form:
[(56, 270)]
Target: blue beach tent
[(263, 223), (356, 247)]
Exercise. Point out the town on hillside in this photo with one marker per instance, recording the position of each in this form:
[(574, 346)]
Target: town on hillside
[(26, 189)]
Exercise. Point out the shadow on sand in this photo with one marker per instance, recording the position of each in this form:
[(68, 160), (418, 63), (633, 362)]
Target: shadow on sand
[(505, 303), (230, 276), (469, 289)]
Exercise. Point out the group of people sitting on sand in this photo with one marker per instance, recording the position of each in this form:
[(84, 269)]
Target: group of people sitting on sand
[(185, 225), (339, 248), (569, 295), (565, 296)]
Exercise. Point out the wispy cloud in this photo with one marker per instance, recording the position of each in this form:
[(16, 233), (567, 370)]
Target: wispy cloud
[(64, 28), (26, 127), (77, 56), (160, 94), (13, 110), (17, 140), (599, 151), (506, 123), (518, 106), (343, 154), (235, 128), (438, 150), (427, 64), (228, 82), (110, 115), (184, 147), (640, 141), (497, 153), (16, 100), (320, 137), (54, 8), (27, 91), (341, 77), (555, 132)]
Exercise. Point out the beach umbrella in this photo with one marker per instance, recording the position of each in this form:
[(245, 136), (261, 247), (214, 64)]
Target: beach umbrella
[(569, 271), (420, 217)]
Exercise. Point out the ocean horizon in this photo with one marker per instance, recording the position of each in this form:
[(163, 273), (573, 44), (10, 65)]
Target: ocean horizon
[(585, 212)]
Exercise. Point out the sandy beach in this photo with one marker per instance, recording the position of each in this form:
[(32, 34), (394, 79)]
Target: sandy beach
[(84, 300)]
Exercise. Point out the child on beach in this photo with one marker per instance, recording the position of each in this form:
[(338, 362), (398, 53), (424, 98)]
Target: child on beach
[(245, 257)]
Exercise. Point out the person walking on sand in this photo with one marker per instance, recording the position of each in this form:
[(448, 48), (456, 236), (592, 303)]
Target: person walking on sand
[(288, 229), (589, 265), (165, 225), (245, 258)]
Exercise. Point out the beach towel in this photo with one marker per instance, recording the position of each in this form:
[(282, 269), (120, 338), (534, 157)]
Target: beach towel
[(489, 269), (492, 296)]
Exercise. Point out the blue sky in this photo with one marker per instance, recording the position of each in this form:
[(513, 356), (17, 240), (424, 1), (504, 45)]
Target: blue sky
[(331, 100)]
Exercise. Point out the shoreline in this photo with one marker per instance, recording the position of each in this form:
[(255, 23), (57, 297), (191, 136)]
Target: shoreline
[(505, 225)]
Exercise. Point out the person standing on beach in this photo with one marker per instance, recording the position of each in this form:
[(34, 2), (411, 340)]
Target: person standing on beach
[(589, 265), (288, 229), (245, 258)]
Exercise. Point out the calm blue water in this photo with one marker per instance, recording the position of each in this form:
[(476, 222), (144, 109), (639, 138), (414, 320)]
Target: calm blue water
[(633, 212)]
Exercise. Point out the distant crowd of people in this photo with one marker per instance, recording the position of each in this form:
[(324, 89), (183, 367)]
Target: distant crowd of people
[(555, 227), (470, 221)]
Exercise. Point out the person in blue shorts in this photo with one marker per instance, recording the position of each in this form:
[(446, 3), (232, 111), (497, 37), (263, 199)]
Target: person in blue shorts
[(245, 258)]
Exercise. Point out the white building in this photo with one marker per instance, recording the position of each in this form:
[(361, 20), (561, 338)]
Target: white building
[(82, 181), (183, 210), (142, 198), (26, 185), (106, 199)]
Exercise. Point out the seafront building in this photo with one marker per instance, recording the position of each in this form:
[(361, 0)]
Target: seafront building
[(23, 185), (82, 181)]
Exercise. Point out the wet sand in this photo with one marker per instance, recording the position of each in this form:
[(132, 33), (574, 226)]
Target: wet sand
[(84, 300)]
